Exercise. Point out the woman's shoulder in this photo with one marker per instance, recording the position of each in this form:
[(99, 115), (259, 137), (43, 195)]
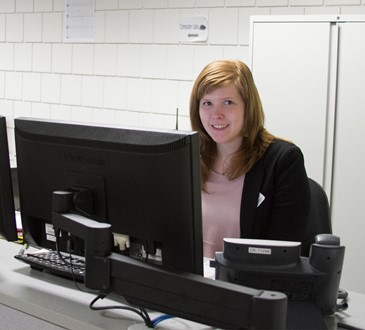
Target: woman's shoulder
[(279, 148)]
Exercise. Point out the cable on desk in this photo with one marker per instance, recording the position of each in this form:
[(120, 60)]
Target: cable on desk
[(140, 311), (160, 318)]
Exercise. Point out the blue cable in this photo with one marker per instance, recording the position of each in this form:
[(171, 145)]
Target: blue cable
[(160, 318)]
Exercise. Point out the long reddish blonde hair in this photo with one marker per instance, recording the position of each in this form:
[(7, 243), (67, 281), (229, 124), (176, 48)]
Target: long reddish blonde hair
[(256, 138)]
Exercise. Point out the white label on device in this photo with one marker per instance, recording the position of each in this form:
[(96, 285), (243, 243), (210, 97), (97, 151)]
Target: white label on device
[(256, 250), (50, 233)]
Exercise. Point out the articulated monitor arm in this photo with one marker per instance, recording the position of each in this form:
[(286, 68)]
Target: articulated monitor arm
[(193, 297)]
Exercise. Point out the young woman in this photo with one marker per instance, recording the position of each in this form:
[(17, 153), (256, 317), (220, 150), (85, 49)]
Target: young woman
[(254, 185)]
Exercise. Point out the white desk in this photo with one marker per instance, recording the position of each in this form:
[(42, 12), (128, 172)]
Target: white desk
[(56, 300)]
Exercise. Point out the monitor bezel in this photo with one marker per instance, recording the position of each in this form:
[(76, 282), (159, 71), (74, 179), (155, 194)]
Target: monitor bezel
[(8, 228)]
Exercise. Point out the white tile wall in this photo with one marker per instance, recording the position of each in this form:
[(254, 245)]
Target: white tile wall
[(2, 85), (2, 28), (116, 26), (14, 28), (33, 27), (61, 58), (136, 72), (42, 57), (23, 57), (7, 6), (51, 88), (31, 87)]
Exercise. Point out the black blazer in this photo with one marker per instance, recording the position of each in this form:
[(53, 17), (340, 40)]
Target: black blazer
[(280, 176)]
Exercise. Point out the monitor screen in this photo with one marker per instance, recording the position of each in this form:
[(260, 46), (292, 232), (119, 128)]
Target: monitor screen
[(8, 228), (145, 183)]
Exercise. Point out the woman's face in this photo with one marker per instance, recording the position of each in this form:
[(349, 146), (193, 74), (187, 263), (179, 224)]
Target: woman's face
[(222, 113)]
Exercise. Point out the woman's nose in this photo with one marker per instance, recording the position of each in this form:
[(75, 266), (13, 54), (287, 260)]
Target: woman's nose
[(217, 111)]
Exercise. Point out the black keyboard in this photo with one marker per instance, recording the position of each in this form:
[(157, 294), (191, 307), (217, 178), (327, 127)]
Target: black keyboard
[(73, 268)]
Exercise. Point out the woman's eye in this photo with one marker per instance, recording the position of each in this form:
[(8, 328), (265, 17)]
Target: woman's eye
[(228, 102), (205, 103)]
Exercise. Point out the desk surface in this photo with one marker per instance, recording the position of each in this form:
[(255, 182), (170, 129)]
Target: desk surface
[(58, 301)]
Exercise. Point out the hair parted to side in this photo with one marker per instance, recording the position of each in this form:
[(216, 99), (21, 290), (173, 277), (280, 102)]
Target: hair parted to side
[(256, 138)]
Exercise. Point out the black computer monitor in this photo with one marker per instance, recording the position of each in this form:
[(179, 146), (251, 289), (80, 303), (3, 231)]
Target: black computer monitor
[(8, 228), (145, 183)]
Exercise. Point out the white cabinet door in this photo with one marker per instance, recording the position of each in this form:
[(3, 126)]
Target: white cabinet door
[(311, 76), (290, 65), (348, 197)]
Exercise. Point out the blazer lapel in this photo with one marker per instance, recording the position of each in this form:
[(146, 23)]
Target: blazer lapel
[(250, 195)]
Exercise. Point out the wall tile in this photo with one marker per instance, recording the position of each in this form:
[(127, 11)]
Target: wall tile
[(205, 55), (115, 92), (139, 94), (244, 22), (223, 26), (22, 109), (60, 112), (141, 26), (2, 86), (92, 91), (151, 4), (41, 110), (14, 28), (181, 4), (82, 114), (103, 116), (42, 57), (129, 60), (59, 5), (106, 4), (62, 58), (166, 27), (82, 58), (7, 6), (71, 89), (24, 6), (130, 4), (210, 3), (52, 27), (341, 2), (13, 85), (31, 86), (116, 27), (184, 91), (180, 62), (153, 61), (271, 3), (164, 96), (127, 118), (2, 27), (32, 27), (105, 59), (51, 88), (99, 26), (23, 57), (43, 5)]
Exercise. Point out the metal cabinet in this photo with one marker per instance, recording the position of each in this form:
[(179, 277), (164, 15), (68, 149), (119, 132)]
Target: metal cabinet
[(310, 72)]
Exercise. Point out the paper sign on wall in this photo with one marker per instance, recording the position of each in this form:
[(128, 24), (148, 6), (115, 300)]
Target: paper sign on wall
[(79, 21), (193, 29)]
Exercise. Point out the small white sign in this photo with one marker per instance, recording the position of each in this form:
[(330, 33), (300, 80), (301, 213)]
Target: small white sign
[(193, 29), (79, 21)]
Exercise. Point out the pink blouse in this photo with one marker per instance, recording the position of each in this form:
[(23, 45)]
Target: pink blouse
[(221, 206)]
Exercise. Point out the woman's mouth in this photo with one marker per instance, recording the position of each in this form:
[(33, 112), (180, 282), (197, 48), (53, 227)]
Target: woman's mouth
[(219, 126)]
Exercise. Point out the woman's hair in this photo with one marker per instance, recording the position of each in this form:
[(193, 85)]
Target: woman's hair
[(256, 138)]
